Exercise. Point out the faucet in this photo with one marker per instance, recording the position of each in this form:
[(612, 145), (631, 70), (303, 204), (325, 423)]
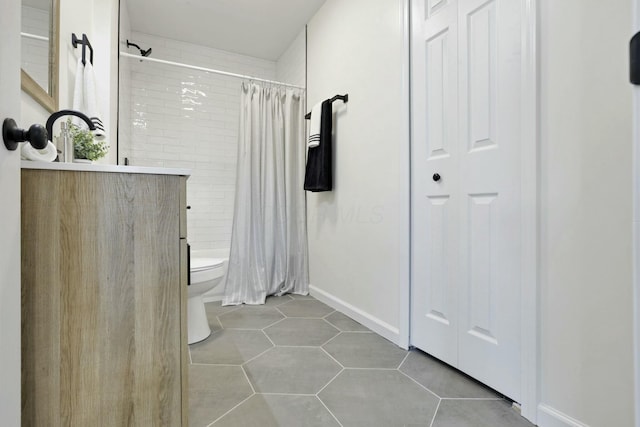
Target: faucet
[(55, 116)]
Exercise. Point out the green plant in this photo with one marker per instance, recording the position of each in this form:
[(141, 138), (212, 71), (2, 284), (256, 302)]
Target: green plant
[(84, 145)]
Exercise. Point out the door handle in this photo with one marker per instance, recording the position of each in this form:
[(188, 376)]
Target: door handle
[(436, 177), (188, 264), (12, 135)]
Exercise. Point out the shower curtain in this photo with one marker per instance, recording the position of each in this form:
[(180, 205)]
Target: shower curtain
[(269, 238)]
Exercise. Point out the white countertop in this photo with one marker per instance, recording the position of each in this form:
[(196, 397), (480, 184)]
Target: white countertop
[(84, 167)]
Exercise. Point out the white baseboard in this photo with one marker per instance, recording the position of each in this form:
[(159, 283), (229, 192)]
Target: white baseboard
[(380, 327), (550, 417)]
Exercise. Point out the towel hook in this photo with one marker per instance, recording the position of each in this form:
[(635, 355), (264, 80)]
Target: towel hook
[(75, 41)]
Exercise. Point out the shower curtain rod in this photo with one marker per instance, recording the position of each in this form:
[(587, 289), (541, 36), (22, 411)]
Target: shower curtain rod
[(208, 70)]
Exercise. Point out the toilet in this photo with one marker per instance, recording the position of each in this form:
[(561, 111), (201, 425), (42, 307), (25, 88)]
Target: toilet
[(205, 274)]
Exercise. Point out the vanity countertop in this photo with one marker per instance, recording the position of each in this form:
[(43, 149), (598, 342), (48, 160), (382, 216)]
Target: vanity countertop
[(83, 167)]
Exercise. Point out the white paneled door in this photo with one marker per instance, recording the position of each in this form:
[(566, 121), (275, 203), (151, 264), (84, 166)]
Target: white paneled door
[(9, 218), (466, 189)]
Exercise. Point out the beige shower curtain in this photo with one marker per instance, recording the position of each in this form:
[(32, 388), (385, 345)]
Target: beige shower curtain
[(269, 239)]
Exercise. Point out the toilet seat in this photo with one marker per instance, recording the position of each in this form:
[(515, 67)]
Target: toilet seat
[(204, 269), (198, 264)]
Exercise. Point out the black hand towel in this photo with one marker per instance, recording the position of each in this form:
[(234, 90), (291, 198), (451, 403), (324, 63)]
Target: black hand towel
[(318, 173)]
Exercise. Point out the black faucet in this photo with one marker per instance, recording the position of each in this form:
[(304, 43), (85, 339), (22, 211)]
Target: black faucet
[(55, 116)]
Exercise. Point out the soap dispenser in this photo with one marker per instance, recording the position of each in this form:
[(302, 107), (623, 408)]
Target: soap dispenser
[(66, 144)]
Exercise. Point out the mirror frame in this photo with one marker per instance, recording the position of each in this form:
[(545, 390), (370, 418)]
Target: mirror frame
[(48, 99)]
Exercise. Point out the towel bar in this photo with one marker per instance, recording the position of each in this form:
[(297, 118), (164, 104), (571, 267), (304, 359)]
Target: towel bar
[(344, 98)]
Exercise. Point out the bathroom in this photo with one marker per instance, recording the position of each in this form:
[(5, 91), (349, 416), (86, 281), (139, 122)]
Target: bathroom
[(354, 345)]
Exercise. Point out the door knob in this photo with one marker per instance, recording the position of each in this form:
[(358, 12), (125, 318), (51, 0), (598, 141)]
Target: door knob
[(436, 177), (12, 135)]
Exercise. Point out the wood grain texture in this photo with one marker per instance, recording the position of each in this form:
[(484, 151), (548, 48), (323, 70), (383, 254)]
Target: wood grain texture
[(184, 273), (102, 301), (184, 281), (183, 208)]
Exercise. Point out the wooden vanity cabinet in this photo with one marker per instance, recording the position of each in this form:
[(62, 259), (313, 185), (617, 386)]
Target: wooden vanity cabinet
[(104, 339)]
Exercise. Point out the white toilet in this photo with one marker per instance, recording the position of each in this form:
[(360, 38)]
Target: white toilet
[(206, 273)]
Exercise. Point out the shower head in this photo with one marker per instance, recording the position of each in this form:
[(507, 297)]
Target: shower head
[(142, 51)]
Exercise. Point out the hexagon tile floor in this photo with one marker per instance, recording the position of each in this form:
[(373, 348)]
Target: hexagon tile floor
[(295, 362)]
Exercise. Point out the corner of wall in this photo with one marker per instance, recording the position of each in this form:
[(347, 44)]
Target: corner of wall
[(291, 66), (378, 326)]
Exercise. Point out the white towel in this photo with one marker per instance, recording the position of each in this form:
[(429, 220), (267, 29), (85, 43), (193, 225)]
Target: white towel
[(85, 100), (78, 94), (47, 154), (314, 126), (91, 103)]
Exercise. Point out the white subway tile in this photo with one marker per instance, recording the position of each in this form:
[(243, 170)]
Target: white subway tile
[(175, 117)]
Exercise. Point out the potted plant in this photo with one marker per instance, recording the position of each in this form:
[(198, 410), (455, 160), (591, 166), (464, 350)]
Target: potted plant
[(85, 148)]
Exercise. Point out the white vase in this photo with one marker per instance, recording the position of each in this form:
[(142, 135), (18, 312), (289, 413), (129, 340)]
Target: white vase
[(86, 161)]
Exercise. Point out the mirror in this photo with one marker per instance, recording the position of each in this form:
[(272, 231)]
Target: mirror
[(39, 48)]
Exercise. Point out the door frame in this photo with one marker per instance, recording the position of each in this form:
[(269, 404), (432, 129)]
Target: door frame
[(530, 154), (530, 166), (635, 188), (10, 306)]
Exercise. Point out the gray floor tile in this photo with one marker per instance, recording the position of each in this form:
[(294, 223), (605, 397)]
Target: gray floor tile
[(274, 301), (362, 350), (305, 308), (230, 347), (478, 413), (345, 323), (214, 324), (214, 309), (279, 411), (374, 394), (214, 390), (442, 379), (373, 398), (299, 370), (250, 317), (301, 332), (296, 296)]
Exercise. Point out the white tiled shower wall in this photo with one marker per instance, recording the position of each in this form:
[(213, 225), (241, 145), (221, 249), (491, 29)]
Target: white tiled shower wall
[(35, 53), (189, 119), (124, 84)]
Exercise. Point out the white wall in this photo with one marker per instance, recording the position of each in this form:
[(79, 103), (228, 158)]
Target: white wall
[(291, 66), (586, 299), (76, 16), (31, 111), (105, 45), (358, 233), (190, 119)]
